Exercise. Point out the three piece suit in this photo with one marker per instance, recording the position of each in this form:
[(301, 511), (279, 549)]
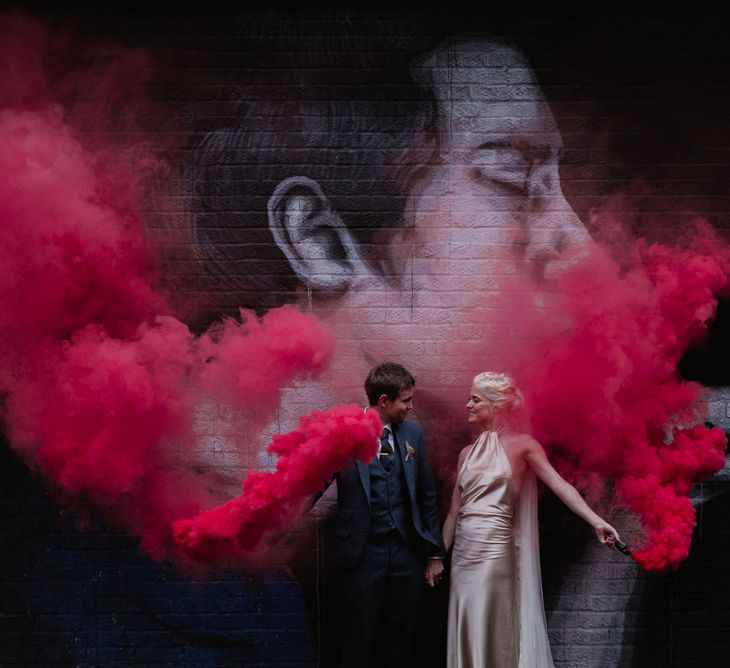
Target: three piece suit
[(387, 527)]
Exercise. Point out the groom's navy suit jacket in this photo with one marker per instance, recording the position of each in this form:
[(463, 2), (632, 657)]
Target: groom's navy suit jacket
[(353, 499)]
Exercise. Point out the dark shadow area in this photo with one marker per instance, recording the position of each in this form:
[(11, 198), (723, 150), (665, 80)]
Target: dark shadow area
[(73, 596), (681, 620), (709, 362)]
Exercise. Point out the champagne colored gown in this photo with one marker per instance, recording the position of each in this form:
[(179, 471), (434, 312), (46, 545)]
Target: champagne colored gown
[(496, 616)]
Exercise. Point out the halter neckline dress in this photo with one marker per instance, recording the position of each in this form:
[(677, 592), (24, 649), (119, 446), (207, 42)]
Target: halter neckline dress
[(496, 615)]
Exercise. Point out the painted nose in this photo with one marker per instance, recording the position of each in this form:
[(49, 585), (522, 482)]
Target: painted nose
[(552, 238)]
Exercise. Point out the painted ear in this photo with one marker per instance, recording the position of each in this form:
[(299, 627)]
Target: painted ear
[(311, 235)]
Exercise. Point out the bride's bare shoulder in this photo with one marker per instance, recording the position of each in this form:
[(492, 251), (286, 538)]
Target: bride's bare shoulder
[(522, 442)]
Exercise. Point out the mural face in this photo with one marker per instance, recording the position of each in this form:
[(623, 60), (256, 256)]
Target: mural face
[(454, 206), (487, 208)]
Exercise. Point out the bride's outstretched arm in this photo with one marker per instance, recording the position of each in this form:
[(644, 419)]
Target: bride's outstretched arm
[(449, 530), (537, 460)]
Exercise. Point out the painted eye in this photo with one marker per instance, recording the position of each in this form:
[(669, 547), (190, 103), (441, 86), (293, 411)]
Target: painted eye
[(501, 166)]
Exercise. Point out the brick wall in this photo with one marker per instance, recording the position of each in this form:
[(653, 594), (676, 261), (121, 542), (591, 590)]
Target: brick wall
[(641, 104)]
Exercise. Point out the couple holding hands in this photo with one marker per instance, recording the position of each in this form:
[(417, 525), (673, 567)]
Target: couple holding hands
[(388, 538)]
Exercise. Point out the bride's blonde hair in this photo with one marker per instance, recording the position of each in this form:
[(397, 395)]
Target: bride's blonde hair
[(500, 389)]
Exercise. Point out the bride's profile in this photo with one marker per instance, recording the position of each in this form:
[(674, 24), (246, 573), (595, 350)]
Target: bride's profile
[(496, 615)]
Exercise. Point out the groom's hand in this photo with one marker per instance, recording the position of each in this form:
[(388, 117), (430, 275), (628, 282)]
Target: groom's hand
[(434, 570)]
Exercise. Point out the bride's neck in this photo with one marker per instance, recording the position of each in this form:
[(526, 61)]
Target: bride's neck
[(499, 424)]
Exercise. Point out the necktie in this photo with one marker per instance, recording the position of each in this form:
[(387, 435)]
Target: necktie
[(386, 451)]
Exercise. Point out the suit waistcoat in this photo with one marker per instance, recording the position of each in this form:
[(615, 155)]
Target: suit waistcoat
[(389, 501)]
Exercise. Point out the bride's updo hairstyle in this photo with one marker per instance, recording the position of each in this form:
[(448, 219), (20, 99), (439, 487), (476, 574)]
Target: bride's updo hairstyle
[(500, 389)]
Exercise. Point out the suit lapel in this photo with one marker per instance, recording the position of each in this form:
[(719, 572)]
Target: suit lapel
[(409, 468)]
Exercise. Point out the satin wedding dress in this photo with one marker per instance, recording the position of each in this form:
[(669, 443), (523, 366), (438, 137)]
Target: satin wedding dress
[(496, 615)]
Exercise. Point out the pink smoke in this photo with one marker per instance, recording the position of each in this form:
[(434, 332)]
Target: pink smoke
[(324, 444), (99, 379), (606, 396)]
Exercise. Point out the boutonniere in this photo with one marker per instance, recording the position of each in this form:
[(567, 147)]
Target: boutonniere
[(410, 452)]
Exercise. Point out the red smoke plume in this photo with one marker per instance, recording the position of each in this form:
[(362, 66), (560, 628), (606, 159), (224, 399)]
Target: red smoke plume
[(324, 444), (606, 395), (99, 381)]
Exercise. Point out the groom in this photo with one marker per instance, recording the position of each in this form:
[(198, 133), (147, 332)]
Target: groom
[(388, 537)]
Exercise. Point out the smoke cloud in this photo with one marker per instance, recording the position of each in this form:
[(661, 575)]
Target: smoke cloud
[(325, 443), (99, 379), (605, 393)]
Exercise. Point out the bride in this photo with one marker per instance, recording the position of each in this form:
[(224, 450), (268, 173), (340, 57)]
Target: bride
[(496, 616)]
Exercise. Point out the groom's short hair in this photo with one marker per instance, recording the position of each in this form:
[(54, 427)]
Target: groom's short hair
[(388, 379)]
